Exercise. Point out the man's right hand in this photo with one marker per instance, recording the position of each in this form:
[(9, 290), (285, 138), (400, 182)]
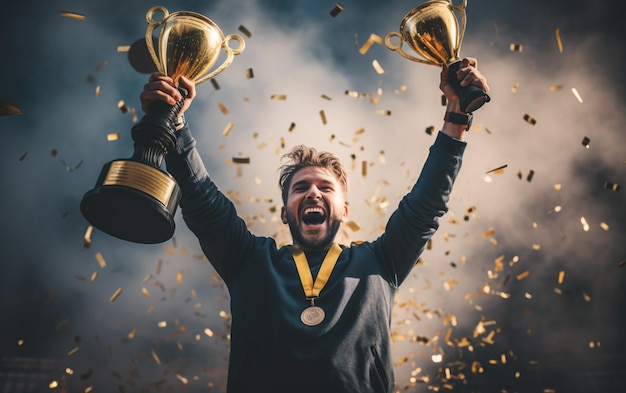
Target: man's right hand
[(161, 87)]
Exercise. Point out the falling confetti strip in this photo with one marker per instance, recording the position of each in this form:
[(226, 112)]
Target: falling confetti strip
[(9, 108), (245, 31), (336, 10), (557, 32), (72, 15)]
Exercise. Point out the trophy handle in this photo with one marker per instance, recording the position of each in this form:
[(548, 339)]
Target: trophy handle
[(398, 48), (152, 24), (230, 54), (461, 10)]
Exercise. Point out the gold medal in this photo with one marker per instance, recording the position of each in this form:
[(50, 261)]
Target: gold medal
[(312, 316)]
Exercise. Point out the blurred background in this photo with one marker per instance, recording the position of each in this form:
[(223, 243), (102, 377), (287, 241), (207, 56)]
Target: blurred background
[(521, 290)]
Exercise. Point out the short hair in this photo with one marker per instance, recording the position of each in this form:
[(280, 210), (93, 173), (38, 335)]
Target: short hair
[(302, 156)]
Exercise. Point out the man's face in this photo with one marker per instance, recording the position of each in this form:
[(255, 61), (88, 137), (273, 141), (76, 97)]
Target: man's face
[(315, 208)]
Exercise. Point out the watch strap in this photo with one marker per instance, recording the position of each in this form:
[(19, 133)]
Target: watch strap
[(459, 118)]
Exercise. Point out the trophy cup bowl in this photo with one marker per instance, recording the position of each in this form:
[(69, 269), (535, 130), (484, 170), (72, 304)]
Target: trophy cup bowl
[(134, 199), (434, 33)]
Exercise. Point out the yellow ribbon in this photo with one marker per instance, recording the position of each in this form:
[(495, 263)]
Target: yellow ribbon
[(312, 290)]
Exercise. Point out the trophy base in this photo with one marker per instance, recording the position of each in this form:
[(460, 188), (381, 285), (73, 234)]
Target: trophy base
[(133, 201)]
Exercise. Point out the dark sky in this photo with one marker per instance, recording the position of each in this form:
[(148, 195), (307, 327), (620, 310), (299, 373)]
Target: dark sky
[(522, 290)]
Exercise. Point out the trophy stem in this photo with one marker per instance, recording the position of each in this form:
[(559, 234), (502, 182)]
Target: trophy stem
[(471, 97), (154, 134)]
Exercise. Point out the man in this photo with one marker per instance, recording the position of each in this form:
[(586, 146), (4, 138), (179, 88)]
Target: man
[(315, 316)]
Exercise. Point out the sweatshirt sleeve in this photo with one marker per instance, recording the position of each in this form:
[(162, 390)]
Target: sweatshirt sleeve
[(416, 219), (208, 213)]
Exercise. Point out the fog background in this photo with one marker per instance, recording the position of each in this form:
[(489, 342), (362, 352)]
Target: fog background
[(486, 296)]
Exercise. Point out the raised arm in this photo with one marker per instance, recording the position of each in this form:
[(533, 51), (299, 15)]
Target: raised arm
[(207, 212), (417, 218)]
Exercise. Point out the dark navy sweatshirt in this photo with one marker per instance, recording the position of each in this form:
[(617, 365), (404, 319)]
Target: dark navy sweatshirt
[(271, 349)]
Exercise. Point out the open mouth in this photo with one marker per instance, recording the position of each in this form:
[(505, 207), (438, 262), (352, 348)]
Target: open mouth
[(313, 215)]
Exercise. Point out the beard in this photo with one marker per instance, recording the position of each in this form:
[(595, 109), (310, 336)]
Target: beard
[(313, 244)]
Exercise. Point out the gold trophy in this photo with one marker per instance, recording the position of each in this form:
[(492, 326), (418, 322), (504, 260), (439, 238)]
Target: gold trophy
[(434, 33), (134, 199)]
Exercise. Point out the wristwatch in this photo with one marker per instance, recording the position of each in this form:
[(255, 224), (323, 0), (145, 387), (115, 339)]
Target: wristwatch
[(459, 118)]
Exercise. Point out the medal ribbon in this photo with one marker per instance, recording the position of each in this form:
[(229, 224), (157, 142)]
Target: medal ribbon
[(312, 289)]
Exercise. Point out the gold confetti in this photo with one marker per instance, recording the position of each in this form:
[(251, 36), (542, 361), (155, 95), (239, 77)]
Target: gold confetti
[(72, 15), (604, 226), (561, 277), (323, 117), (281, 97), (155, 357), (245, 31), (179, 277), (611, 186), (228, 128), (557, 32), (222, 108), (530, 175), (249, 73), (529, 120), (87, 237), (514, 88), (101, 65), (366, 46), (353, 226), (498, 170), (123, 48), (364, 168), (516, 47), (586, 297), (403, 89), (336, 10), (72, 351), (585, 224), (555, 87), (100, 260), (489, 232), (116, 294), (182, 379), (384, 112), (9, 108), (377, 67), (145, 292), (577, 95), (113, 136)]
